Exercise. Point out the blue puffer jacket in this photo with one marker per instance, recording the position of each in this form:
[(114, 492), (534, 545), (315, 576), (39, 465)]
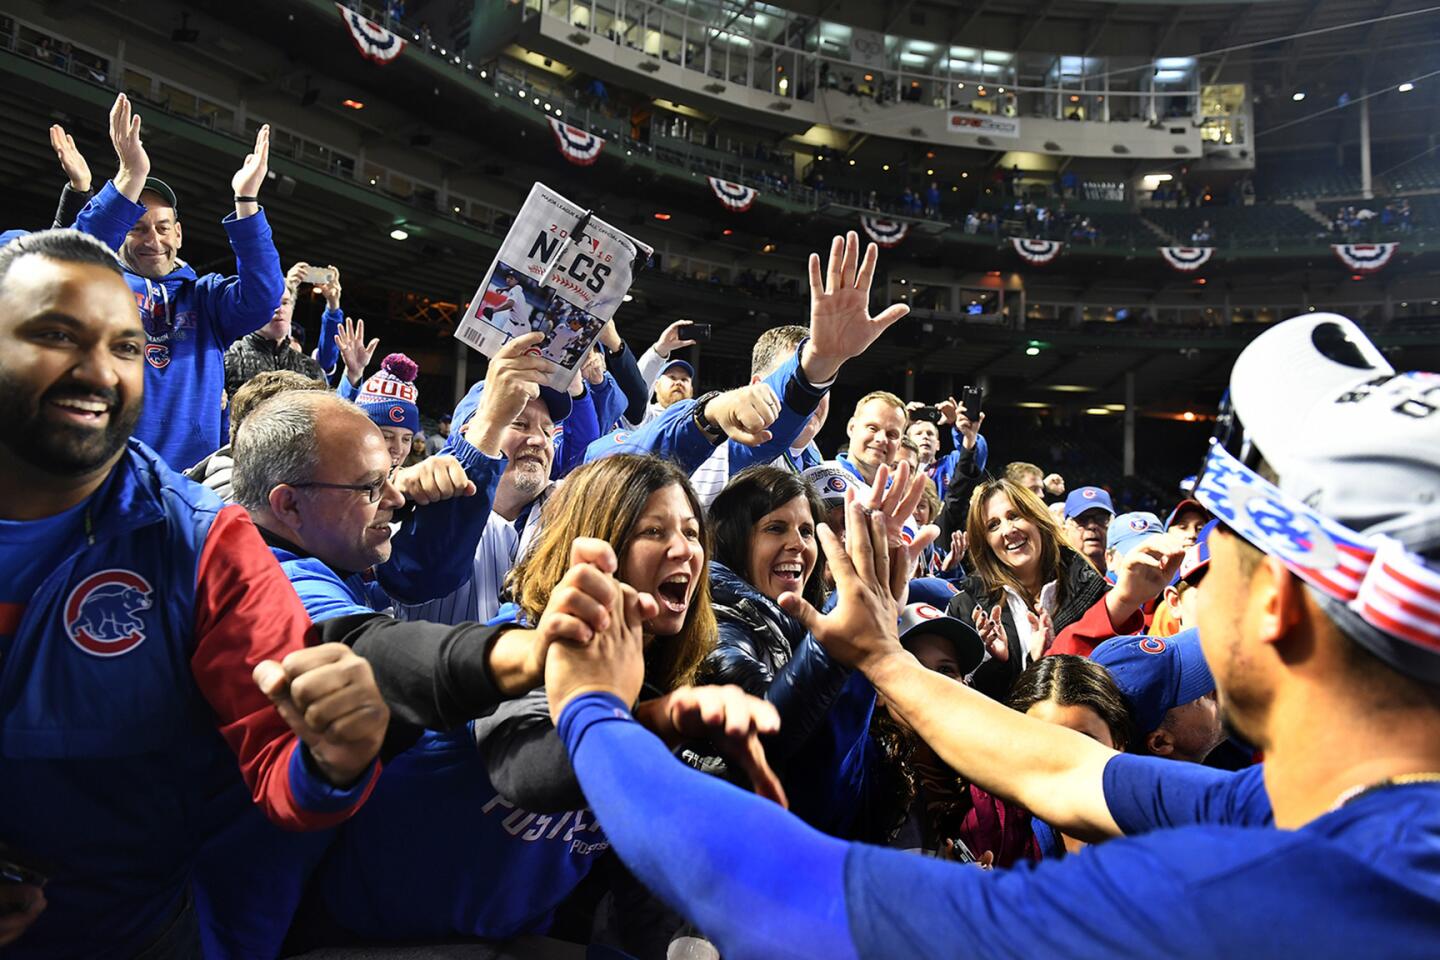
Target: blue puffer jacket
[(767, 653)]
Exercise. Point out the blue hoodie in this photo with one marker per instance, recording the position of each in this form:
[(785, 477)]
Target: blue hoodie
[(189, 321)]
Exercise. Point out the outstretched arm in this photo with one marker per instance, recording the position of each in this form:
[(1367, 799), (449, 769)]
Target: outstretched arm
[(784, 897), (1056, 773)]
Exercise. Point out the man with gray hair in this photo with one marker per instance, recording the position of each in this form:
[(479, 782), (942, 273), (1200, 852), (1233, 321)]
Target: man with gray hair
[(314, 473)]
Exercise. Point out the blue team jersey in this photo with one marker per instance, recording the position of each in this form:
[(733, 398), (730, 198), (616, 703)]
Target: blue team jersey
[(439, 853), (1363, 880)]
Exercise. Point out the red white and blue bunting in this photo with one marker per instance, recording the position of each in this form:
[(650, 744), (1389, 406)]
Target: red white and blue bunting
[(372, 40), (1186, 259), (736, 196), (579, 146), (1038, 252), (886, 233), (1364, 257)]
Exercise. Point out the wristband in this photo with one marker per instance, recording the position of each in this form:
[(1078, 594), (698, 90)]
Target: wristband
[(247, 199), (708, 430)]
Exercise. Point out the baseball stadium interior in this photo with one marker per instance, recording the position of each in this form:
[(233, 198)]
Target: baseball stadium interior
[(1135, 126), (1090, 209)]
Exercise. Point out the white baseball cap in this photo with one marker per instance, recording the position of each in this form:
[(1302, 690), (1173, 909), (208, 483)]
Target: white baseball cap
[(1355, 506)]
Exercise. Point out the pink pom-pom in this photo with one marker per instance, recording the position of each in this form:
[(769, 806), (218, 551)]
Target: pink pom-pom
[(400, 367)]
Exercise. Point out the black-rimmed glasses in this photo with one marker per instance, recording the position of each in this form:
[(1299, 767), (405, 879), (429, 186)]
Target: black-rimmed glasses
[(372, 491)]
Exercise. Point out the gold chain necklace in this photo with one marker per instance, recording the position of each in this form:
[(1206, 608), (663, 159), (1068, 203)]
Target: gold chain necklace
[(1404, 779)]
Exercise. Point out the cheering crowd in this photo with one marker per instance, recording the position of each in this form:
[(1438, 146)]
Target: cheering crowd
[(629, 666)]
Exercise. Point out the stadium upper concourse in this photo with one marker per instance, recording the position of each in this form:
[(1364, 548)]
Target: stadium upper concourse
[(1261, 125)]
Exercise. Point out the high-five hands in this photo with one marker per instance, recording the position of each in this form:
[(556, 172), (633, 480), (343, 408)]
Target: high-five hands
[(862, 629), (591, 638)]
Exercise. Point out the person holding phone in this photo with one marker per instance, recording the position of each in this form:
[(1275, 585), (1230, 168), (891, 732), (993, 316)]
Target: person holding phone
[(268, 348)]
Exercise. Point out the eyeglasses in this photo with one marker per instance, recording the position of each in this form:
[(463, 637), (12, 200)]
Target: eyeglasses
[(372, 491)]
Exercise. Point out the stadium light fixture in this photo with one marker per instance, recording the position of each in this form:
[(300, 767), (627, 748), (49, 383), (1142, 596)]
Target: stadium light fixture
[(1298, 95), (1406, 87)]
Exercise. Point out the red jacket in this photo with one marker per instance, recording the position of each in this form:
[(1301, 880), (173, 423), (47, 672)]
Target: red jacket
[(1094, 628)]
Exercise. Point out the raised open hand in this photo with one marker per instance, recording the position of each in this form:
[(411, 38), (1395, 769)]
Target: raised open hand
[(354, 350), (251, 175), (71, 160), (841, 327), (129, 150)]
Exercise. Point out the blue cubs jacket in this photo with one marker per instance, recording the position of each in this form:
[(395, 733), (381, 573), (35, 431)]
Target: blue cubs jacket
[(189, 322), (126, 698)]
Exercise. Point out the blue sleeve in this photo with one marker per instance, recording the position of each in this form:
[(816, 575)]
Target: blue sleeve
[(244, 303), (1101, 904), (327, 351), (323, 594), (783, 897), (631, 382), (610, 402), (580, 430), (1149, 793), (109, 216), (672, 435), (314, 793), (434, 551), (345, 389), (798, 400)]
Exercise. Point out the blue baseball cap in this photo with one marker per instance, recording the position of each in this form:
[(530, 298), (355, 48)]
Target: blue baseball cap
[(1087, 498), (689, 370), (1156, 674), (932, 590), (1129, 529)]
